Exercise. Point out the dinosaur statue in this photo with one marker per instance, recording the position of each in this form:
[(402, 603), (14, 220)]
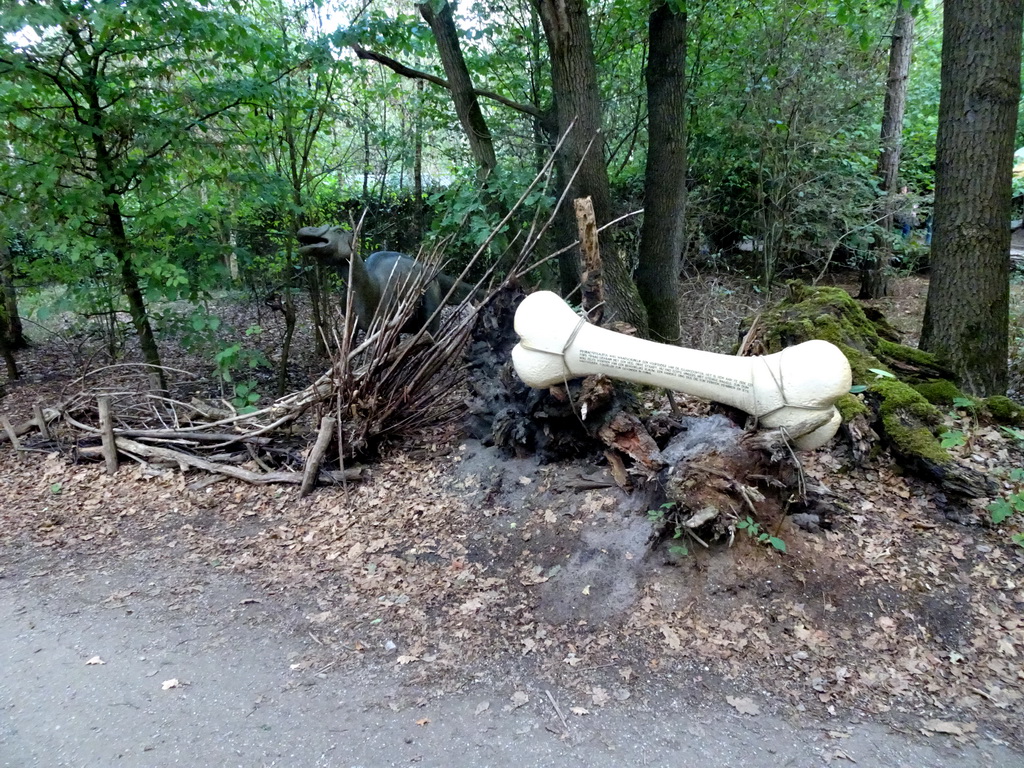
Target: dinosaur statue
[(377, 281)]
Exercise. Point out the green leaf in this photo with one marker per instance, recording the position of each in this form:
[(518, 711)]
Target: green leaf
[(778, 543), (954, 438), (880, 374), (1000, 510)]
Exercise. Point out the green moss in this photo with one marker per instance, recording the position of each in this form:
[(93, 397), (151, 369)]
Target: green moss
[(907, 419), (851, 406), (905, 354), (939, 392), (1005, 411)]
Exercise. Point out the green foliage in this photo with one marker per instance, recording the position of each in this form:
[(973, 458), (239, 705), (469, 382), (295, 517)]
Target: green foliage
[(668, 516), (1011, 506), (246, 396), (784, 146), (753, 530), (226, 125), (202, 332), (954, 438), (466, 213)]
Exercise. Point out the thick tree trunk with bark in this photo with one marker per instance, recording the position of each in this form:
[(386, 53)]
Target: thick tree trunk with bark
[(467, 107), (661, 241), (12, 336), (967, 314), (875, 278), (578, 104)]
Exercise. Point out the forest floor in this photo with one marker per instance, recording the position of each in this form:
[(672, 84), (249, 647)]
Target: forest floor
[(495, 593)]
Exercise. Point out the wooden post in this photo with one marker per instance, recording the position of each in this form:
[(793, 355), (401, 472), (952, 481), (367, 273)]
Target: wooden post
[(40, 419), (11, 434), (593, 284), (316, 455), (107, 433)]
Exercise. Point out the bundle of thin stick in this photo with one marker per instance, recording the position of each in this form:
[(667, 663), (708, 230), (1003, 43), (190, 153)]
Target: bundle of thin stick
[(383, 386)]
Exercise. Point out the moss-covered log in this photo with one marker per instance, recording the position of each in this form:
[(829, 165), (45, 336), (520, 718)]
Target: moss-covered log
[(898, 390)]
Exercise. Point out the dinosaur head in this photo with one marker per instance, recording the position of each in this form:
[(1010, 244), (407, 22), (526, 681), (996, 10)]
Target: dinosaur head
[(328, 245)]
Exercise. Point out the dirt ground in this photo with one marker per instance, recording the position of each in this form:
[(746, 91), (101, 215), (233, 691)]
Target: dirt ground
[(454, 576)]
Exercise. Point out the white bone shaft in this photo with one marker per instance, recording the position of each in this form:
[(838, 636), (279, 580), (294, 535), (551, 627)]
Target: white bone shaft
[(784, 388)]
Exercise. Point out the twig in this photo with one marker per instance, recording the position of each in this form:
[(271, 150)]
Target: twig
[(557, 710)]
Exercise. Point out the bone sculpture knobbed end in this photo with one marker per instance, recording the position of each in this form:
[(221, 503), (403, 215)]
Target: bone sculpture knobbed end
[(783, 390)]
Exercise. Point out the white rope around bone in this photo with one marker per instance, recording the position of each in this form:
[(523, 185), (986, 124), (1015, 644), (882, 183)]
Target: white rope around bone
[(781, 390)]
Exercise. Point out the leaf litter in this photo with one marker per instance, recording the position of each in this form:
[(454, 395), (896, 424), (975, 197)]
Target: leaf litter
[(894, 613)]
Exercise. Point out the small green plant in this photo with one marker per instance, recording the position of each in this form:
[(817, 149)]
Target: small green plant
[(753, 529), (1015, 433), (667, 515), (1012, 504), (954, 438), (246, 396)]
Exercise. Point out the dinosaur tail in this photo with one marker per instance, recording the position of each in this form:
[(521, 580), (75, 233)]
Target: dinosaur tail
[(461, 291)]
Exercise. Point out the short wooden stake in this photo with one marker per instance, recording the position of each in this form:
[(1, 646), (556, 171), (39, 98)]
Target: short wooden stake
[(37, 411), (107, 434), (312, 471), (11, 434)]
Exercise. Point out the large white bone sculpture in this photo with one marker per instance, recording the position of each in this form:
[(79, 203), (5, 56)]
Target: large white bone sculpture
[(781, 390)]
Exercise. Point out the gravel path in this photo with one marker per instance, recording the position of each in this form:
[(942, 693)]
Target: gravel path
[(247, 695)]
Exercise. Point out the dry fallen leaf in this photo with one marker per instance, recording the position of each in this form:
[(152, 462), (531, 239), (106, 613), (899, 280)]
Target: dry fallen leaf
[(482, 707), (579, 711), (95, 660), (946, 726), (407, 659), (518, 699), (744, 705), (172, 683), (423, 721), (599, 696), (671, 638)]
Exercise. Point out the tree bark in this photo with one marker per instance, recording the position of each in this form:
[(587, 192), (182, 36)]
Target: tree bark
[(578, 106), (967, 312), (14, 335), (662, 237), (133, 292), (875, 277), (467, 106)]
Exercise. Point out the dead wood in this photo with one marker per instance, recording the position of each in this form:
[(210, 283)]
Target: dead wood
[(901, 387), (592, 279)]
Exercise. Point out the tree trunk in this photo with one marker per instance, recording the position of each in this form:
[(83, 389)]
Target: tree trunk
[(467, 107), (578, 104), (288, 308), (875, 277), (14, 333), (967, 313), (661, 241), (418, 209), (133, 292), (7, 317)]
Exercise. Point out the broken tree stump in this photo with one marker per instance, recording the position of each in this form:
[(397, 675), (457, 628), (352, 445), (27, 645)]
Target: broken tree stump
[(898, 388)]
